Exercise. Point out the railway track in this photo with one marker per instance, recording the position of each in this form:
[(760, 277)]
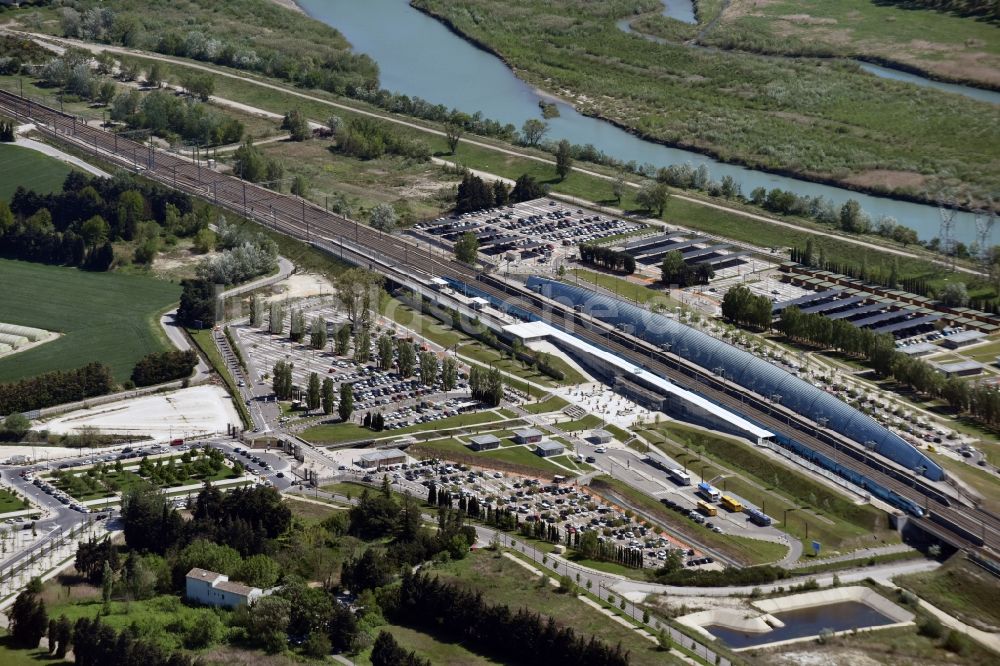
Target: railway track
[(965, 527)]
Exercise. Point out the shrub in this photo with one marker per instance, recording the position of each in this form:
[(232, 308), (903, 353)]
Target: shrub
[(931, 627)]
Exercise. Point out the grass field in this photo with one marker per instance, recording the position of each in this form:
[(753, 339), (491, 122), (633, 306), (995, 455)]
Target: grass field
[(625, 288), (33, 170), (11, 502), (428, 647), (103, 317), (503, 581), (959, 588), (346, 432), (941, 43), (749, 551), (551, 404), (820, 512)]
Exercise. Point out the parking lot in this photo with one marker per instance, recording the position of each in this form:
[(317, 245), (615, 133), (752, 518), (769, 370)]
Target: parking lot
[(533, 235), (402, 401), (572, 509)]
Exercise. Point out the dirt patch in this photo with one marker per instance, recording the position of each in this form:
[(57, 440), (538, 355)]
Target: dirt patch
[(822, 657), (888, 179), (301, 285), (289, 4), (738, 8), (807, 19)]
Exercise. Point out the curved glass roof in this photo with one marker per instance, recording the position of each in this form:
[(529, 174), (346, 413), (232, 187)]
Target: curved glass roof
[(747, 370)]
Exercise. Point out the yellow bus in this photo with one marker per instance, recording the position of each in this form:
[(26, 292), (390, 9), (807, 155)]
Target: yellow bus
[(706, 509), (731, 504)]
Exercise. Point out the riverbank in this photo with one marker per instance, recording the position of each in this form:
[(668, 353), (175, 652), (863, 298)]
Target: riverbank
[(783, 117), (289, 4)]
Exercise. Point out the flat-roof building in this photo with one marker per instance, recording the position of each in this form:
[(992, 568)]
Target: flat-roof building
[(379, 459), (959, 368), (527, 436), (484, 442), (548, 449), (601, 436), (962, 339)]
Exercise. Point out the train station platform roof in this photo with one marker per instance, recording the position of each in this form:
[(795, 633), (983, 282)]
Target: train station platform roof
[(534, 330)]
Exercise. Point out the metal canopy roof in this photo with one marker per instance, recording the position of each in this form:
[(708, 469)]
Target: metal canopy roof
[(854, 312), (833, 305), (743, 368), (909, 323), (880, 317), (806, 298)]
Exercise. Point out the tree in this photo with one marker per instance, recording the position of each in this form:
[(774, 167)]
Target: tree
[(107, 585), (385, 352), (428, 368), (281, 381), (327, 396), (343, 340), (362, 346), (407, 357), (564, 159), (526, 188), (276, 319), (259, 571), (300, 186), (383, 218), (346, 406), (851, 216), (453, 134), (343, 628), (297, 326), (313, 392), (204, 241), (268, 620), (16, 425), (653, 196), (106, 92), (297, 125), (618, 187), (155, 76), (533, 130), (449, 373), (28, 620), (317, 333), (955, 294), (317, 645), (467, 248)]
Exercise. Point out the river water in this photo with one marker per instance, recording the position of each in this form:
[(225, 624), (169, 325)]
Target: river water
[(420, 57)]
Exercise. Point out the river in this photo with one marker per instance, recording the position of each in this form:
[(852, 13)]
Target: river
[(420, 57)]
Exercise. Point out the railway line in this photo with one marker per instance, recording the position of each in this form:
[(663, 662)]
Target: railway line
[(959, 525)]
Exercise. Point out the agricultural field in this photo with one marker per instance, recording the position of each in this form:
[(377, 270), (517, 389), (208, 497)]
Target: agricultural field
[(31, 169), (104, 317), (943, 44), (823, 119)]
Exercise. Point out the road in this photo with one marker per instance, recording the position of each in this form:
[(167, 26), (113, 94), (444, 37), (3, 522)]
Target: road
[(98, 48)]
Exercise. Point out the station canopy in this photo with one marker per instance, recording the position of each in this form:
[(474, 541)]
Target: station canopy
[(747, 370)]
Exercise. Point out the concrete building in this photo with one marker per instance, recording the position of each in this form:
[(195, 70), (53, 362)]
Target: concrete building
[(527, 436), (215, 589), (963, 339), (959, 368), (484, 442), (380, 459), (601, 437), (548, 449)]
